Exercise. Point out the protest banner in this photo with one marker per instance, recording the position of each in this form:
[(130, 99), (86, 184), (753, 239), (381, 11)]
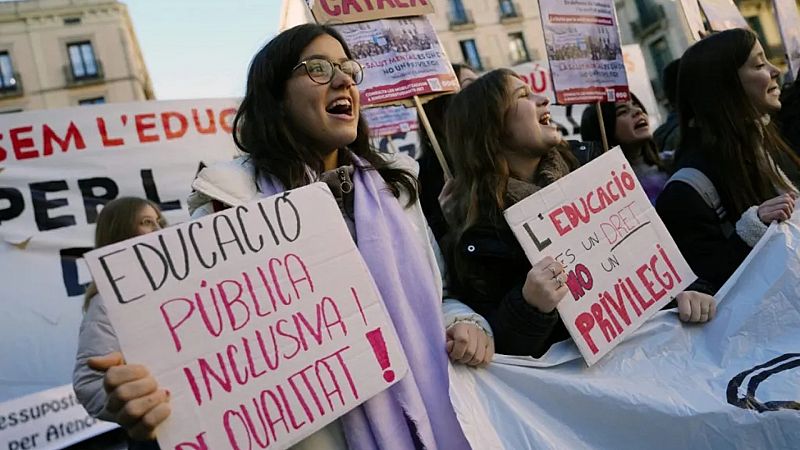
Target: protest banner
[(47, 420), (723, 15), (583, 47), (621, 264), (402, 58), (57, 168), (789, 24), (261, 320), (388, 120), (731, 383), (694, 18), (394, 129), (347, 11), (639, 82)]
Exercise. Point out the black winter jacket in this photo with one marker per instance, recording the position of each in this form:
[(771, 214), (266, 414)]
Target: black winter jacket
[(491, 271)]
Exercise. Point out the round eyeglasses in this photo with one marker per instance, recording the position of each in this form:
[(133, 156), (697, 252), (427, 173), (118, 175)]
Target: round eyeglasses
[(322, 71)]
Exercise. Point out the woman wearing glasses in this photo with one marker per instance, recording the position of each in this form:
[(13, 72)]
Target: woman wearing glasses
[(299, 123)]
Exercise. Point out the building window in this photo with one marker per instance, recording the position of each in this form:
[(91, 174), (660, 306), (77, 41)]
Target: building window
[(517, 48), (457, 12), (470, 52), (7, 80), (82, 60), (92, 101), (507, 9), (662, 55)]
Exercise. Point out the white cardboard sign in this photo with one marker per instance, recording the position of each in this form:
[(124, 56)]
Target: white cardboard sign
[(262, 320), (621, 262)]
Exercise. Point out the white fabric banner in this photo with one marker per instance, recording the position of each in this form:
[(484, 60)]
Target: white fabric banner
[(56, 168), (47, 420), (732, 383)]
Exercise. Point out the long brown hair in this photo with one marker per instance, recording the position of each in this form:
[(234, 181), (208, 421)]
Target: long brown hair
[(262, 130), (719, 122), (476, 127), (115, 223)]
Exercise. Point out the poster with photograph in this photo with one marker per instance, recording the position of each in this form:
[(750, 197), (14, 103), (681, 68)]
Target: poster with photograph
[(389, 120), (401, 58), (583, 46)]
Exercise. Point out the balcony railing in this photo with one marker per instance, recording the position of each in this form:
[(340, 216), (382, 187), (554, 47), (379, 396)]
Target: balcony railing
[(509, 11), (74, 79), (13, 88), (460, 19)]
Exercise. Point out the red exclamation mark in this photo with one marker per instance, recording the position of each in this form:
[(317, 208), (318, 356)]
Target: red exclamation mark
[(375, 339)]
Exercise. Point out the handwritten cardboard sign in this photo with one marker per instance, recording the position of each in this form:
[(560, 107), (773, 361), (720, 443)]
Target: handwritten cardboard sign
[(262, 321), (347, 11), (622, 265), (583, 47)]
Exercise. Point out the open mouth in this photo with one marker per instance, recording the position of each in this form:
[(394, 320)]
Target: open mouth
[(340, 106), (545, 119), (641, 123)]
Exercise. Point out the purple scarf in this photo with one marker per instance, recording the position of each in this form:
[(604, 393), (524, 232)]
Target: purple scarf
[(399, 267)]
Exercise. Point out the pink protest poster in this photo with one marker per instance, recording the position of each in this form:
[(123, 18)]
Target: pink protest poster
[(584, 51), (262, 321), (401, 58), (622, 265)]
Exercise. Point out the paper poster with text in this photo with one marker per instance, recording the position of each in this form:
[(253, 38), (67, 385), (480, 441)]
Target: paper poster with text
[(789, 23), (723, 15), (401, 58), (583, 47), (389, 120), (261, 320), (58, 168), (394, 129), (347, 11), (622, 265)]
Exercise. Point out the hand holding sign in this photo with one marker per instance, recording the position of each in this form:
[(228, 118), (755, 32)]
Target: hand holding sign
[(545, 285), (262, 321), (621, 265)]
